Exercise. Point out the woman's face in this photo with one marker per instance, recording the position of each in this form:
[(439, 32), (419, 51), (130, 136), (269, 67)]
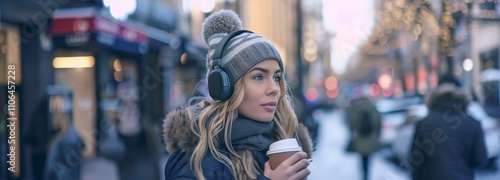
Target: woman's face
[(261, 85)]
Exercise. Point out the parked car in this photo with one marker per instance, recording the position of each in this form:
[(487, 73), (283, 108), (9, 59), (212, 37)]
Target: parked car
[(393, 115), (402, 143)]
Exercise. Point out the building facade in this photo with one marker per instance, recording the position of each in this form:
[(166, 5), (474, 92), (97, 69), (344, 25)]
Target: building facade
[(116, 71)]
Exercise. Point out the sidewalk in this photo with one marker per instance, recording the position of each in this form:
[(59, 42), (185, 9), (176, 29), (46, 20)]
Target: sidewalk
[(100, 168), (331, 161)]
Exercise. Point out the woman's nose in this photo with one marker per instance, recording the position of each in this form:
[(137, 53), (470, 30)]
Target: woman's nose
[(273, 88)]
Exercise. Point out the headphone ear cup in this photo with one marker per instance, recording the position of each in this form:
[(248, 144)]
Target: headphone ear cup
[(219, 80), (219, 85)]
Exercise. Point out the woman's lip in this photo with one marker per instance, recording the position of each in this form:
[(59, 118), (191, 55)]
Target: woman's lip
[(269, 104), (269, 108)]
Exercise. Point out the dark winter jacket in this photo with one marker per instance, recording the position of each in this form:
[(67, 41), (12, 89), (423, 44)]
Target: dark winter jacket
[(448, 143), (65, 158), (364, 123), (180, 141)]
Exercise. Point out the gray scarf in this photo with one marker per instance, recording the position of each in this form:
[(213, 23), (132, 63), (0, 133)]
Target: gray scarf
[(248, 134)]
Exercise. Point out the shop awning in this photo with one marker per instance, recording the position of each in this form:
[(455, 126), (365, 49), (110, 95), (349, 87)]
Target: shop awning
[(86, 27)]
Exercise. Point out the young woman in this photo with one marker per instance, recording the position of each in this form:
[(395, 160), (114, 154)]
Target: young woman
[(227, 137)]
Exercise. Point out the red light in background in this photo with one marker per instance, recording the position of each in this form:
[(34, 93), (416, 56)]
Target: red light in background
[(433, 79), (410, 82), (374, 90), (331, 83), (388, 92), (333, 94), (311, 94)]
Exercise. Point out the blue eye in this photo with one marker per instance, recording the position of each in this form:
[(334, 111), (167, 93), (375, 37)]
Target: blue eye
[(258, 77), (277, 78)]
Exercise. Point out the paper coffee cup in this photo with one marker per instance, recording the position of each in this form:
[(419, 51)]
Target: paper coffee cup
[(281, 150)]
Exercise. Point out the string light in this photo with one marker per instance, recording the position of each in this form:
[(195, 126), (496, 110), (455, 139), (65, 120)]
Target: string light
[(401, 23)]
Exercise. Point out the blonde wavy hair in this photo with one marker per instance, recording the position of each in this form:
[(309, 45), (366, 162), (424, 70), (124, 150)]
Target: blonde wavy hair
[(219, 116)]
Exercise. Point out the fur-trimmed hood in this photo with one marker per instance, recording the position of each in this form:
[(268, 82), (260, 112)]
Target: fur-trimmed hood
[(177, 133)]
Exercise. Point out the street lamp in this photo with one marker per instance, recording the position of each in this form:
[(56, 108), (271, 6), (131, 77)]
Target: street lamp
[(468, 64), (206, 6), (120, 10)]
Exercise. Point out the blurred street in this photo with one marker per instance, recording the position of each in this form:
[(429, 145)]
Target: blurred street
[(331, 161), (100, 168)]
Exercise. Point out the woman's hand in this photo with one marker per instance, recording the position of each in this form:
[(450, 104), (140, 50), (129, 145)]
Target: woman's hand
[(293, 168)]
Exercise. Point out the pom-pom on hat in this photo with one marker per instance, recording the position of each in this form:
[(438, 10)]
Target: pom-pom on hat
[(242, 52)]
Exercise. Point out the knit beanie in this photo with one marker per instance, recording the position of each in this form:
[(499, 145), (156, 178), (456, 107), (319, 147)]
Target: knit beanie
[(243, 51)]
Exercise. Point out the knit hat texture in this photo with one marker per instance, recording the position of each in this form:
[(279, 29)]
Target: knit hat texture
[(242, 52)]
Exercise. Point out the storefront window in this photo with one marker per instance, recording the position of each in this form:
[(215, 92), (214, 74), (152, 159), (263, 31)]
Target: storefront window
[(79, 77), (127, 94)]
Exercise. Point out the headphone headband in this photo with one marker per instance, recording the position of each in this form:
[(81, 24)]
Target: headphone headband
[(219, 49)]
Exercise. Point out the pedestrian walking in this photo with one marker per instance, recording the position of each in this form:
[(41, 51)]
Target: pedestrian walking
[(448, 143), (364, 123), (65, 158), (140, 159), (227, 136)]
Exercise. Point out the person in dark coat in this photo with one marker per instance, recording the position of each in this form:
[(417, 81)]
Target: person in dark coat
[(65, 158), (364, 123), (448, 143), (227, 137)]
